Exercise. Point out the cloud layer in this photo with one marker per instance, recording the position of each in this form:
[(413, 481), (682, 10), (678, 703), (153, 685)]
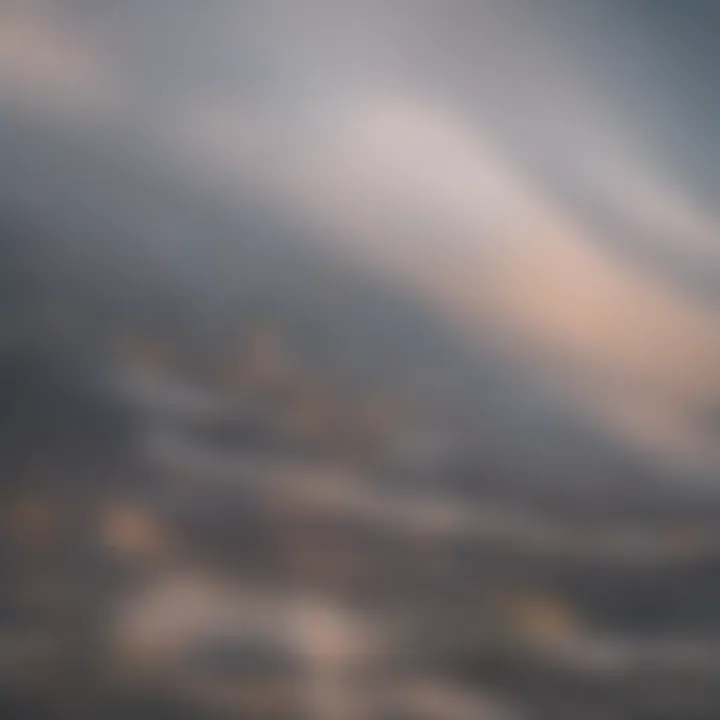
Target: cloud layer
[(438, 142)]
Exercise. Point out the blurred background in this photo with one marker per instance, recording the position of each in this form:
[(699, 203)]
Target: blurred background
[(359, 360)]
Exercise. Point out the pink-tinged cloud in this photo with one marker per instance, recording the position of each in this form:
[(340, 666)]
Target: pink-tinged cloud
[(416, 192), (43, 62)]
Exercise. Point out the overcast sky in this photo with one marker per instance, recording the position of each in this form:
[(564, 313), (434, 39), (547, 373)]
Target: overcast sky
[(546, 170)]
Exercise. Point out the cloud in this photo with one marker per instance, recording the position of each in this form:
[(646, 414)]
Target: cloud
[(349, 133), (417, 192), (530, 270), (648, 199), (43, 61)]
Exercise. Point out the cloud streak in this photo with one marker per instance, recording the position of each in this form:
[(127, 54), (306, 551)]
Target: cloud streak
[(430, 152), (418, 193)]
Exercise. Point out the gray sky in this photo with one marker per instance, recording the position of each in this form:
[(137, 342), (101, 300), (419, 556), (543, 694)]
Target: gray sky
[(543, 170)]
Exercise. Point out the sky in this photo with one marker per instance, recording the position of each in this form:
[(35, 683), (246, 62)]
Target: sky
[(543, 171)]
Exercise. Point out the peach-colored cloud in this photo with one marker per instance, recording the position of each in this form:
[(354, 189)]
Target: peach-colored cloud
[(558, 294), (41, 60), (412, 187), (414, 190), (509, 257)]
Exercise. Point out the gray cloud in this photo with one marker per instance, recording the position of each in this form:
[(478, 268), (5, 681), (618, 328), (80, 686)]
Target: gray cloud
[(437, 140)]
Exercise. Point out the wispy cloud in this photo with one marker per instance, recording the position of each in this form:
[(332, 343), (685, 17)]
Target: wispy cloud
[(43, 61), (415, 144), (418, 192)]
